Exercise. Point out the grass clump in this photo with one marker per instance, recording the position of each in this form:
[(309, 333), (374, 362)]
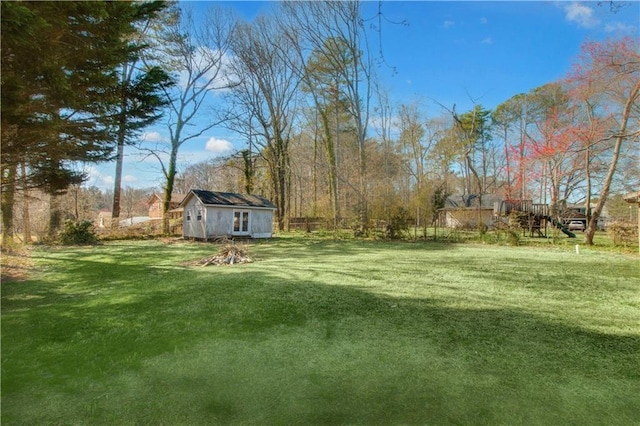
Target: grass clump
[(319, 331)]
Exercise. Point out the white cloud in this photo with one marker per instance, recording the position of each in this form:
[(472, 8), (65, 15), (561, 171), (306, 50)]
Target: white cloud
[(487, 40), (214, 69), (581, 14), (448, 24), (129, 179), (152, 137), (390, 124), (619, 27), (98, 178), (218, 146), (484, 20)]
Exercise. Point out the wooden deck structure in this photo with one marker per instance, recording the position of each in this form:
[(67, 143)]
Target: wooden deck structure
[(531, 216)]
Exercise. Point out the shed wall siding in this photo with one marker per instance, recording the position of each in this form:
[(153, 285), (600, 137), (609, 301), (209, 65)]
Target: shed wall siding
[(219, 221), (194, 228), (261, 223)]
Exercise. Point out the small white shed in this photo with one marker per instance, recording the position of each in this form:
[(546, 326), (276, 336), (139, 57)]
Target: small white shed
[(209, 214)]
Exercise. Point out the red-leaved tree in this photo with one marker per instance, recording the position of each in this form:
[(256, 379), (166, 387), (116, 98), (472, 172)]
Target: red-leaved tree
[(553, 155)]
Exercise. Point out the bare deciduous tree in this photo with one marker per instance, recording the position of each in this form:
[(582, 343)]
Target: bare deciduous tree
[(613, 67), (197, 55), (263, 101), (336, 30)]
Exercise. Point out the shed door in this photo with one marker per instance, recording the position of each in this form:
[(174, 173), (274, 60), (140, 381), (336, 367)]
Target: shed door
[(241, 222)]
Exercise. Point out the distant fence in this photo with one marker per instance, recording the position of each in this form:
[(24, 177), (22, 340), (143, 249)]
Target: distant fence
[(307, 223)]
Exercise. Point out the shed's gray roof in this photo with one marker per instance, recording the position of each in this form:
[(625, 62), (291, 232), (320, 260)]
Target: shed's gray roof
[(230, 199)]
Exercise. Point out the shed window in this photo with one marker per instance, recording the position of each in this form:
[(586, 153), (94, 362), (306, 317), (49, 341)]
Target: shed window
[(188, 214), (241, 221), (199, 216)]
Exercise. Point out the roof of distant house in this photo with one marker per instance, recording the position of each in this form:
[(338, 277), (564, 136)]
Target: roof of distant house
[(460, 201), (632, 197), (176, 198)]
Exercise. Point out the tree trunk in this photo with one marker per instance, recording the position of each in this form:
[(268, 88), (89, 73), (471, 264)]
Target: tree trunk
[(364, 205), (469, 161), (314, 175), (588, 184), (26, 222), (248, 170), (620, 136), (281, 187), (168, 190), (508, 164), (278, 166), (331, 169), (117, 186), (521, 161), (55, 217), (8, 197)]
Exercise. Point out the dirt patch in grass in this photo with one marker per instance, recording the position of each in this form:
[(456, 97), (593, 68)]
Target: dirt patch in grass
[(16, 264)]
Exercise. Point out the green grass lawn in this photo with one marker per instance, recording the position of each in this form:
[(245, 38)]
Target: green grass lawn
[(323, 332)]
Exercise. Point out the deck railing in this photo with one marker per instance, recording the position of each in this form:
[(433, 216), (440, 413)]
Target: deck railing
[(504, 208)]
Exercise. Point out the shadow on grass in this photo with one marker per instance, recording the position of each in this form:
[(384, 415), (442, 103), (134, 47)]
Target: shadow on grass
[(245, 346)]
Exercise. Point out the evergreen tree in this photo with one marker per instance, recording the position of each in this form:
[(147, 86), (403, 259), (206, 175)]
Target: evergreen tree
[(60, 64)]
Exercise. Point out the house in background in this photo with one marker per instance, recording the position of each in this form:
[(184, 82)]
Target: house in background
[(469, 211), (578, 212), (465, 211), (155, 205), (209, 214)]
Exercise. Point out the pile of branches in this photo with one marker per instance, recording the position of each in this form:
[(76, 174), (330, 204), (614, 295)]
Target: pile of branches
[(230, 254)]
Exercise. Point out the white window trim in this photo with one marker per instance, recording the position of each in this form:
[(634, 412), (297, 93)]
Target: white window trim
[(241, 211)]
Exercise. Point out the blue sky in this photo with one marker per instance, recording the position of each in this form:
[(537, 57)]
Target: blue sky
[(446, 52)]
